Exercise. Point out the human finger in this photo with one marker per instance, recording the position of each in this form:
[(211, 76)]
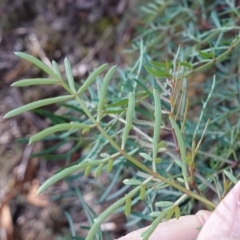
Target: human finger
[(184, 228), (224, 223)]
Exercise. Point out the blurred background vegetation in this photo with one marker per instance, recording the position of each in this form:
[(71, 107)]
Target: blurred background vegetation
[(91, 33)]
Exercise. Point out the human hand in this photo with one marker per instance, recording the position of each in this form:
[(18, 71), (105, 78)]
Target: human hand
[(222, 224)]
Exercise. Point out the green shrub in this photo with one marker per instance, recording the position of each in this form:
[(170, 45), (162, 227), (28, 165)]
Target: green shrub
[(137, 120)]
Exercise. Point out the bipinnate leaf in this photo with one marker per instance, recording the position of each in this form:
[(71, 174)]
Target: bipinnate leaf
[(34, 81), (91, 78), (37, 63), (69, 75), (37, 104), (59, 127)]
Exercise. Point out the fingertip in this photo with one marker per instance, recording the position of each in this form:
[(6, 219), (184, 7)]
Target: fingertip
[(224, 221), (203, 216)]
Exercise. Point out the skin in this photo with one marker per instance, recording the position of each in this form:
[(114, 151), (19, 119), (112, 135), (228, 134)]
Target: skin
[(222, 224)]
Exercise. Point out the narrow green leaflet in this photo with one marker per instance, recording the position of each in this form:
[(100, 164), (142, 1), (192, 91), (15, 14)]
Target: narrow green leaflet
[(181, 146), (177, 212), (56, 128), (56, 69), (60, 175), (157, 72), (170, 213), (122, 103), (69, 75), (128, 206), (129, 117), (131, 182), (34, 81), (146, 156), (110, 165), (142, 192), (230, 176), (103, 90), (181, 180), (91, 78), (178, 162), (157, 125), (164, 204), (186, 64), (143, 122), (87, 171), (159, 64), (67, 171), (155, 214), (38, 63), (161, 144), (98, 170), (104, 155), (206, 55), (37, 104)]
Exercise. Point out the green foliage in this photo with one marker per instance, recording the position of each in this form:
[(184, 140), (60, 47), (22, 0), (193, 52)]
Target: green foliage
[(130, 116)]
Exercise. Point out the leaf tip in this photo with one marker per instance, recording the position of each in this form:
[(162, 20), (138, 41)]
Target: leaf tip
[(66, 60), (6, 116), (38, 192)]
